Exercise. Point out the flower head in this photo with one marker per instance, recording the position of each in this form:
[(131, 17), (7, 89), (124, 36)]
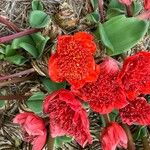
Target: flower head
[(135, 75), (136, 112), (105, 94), (113, 136), (126, 2), (67, 117), (147, 4), (33, 128), (73, 60)]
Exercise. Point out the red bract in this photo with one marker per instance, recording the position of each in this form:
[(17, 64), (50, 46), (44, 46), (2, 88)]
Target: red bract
[(73, 60), (33, 128), (105, 94), (135, 75), (126, 2), (113, 136), (147, 4), (67, 117), (136, 112)]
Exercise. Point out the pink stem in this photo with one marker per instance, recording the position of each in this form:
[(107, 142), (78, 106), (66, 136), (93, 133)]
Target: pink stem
[(17, 35), (101, 10), (9, 24), (144, 16), (28, 71)]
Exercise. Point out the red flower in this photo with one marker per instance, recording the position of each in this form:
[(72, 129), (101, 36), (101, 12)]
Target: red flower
[(135, 75), (105, 94), (147, 4), (67, 117), (126, 2), (33, 128), (113, 136), (73, 60), (136, 112)]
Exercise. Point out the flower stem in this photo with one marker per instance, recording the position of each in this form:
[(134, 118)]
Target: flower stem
[(101, 10), (50, 143), (107, 119), (145, 142), (28, 71), (9, 24), (8, 38), (131, 145), (129, 10)]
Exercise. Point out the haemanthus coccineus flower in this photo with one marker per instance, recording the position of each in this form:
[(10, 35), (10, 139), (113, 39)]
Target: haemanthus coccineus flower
[(135, 75), (33, 128), (113, 136), (137, 111), (73, 60), (105, 94), (67, 117)]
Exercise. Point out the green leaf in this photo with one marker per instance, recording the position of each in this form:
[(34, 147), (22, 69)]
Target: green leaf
[(9, 51), (94, 4), (2, 103), (39, 19), (140, 133), (33, 44), (137, 7), (52, 86), (30, 49), (113, 115), (37, 5), (35, 102), (61, 140), (113, 12), (93, 17), (17, 59), (120, 33), (2, 48)]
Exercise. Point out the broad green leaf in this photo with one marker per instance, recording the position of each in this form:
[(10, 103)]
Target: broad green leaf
[(52, 86), (116, 4), (2, 56), (17, 59), (9, 51), (120, 33), (35, 102), (30, 49), (37, 5), (33, 44), (61, 140), (114, 12), (39, 19), (2, 48)]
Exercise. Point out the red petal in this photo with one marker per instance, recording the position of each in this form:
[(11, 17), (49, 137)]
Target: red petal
[(135, 75), (68, 118), (106, 93), (83, 36), (113, 136), (33, 128), (147, 4), (53, 69), (136, 112)]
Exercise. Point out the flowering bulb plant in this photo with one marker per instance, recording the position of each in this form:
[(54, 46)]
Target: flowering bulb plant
[(95, 85)]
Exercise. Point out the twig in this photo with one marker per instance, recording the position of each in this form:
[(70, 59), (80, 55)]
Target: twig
[(9, 24), (101, 10), (131, 145), (28, 71), (14, 97), (8, 38), (16, 80)]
